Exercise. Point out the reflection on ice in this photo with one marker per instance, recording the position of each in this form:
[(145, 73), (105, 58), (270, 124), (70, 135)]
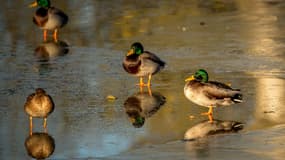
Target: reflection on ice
[(229, 38), (206, 128), (51, 49), (40, 145), (142, 105), (270, 101)]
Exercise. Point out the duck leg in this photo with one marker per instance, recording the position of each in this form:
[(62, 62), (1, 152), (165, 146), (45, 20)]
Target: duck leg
[(55, 35), (149, 79), (209, 114), (149, 91), (141, 84), (210, 117), (45, 123), (45, 35), (31, 125)]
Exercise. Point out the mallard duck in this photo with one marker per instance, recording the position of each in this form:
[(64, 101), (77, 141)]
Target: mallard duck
[(40, 145), (39, 105), (142, 63), (204, 128), (48, 18), (210, 93), (142, 105)]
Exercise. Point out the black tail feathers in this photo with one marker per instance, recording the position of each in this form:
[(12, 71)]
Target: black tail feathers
[(237, 98)]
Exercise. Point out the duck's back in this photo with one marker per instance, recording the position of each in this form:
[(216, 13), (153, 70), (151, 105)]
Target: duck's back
[(50, 18), (152, 57), (60, 15), (39, 105), (151, 64), (211, 93)]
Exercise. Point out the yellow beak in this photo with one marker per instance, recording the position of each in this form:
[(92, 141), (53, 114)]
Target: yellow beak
[(34, 4), (131, 51), (132, 120), (189, 78)]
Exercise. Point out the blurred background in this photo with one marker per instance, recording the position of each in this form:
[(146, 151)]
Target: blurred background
[(237, 41)]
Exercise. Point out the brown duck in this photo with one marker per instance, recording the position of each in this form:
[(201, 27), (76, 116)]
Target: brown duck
[(39, 105)]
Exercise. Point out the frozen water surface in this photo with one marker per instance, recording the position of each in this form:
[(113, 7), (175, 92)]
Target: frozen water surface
[(239, 42)]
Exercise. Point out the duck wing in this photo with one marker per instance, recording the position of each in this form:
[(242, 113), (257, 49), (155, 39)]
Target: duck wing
[(29, 99), (220, 85), (217, 90), (51, 101), (153, 57), (60, 13)]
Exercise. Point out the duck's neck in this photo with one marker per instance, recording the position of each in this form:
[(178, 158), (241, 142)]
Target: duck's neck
[(42, 11), (133, 57)]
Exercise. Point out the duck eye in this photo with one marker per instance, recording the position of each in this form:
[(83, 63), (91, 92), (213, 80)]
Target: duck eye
[(198, 77), (137, 50)]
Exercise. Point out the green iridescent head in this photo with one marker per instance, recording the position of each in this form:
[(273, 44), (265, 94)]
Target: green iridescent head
[(138, 121), (41, 3), (136, 48), (201, 75)]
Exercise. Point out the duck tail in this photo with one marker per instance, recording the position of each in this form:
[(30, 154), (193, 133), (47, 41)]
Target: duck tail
[(237, 98), (162, 63), (236, 126)]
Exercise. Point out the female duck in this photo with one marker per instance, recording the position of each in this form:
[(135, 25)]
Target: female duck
[(142, 63), (210, 93), (40, 105), (48, 18)]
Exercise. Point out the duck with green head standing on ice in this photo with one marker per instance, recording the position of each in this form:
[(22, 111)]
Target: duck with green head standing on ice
[(48, 18), (142, 63), (210, 93)]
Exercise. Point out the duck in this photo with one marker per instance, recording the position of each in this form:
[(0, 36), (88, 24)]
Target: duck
[(210, 93), (142, 63), (48, 18), (39, 105)]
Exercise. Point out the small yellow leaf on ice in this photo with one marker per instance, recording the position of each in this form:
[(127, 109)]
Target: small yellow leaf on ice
[(191, 117), (111, 97)]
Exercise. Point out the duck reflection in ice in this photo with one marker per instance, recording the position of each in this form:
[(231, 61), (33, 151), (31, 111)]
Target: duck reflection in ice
[(40, 145), (50, 49), (205, 128), (142, 105), (40, 105)]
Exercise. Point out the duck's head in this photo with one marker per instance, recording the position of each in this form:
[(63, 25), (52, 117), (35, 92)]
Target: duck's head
[(40, 91), (138, 121), (201, 75), (136, 48), (40, 3)]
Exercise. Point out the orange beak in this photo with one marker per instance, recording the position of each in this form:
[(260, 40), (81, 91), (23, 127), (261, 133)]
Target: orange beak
[(189, 78), (131, 51), (34, 4)]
